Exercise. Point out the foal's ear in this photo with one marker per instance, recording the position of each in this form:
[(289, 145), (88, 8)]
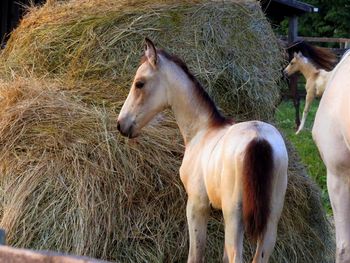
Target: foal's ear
[(295, 54), (150, 52)]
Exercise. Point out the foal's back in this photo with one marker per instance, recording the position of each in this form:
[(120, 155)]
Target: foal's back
[(218, 152)]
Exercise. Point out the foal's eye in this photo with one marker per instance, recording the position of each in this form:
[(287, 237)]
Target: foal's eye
[(139, 84)]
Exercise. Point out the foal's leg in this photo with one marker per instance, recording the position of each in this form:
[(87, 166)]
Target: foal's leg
[(231, 206), (310, 95), (233, 234), (197, 211), (339, 194), (266, 243)]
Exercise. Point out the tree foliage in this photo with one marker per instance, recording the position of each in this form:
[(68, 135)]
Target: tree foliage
[(332, 20)]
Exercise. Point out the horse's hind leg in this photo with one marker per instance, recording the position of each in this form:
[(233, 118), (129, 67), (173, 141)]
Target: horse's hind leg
[(266, 243), (339, 193), (234, 233)]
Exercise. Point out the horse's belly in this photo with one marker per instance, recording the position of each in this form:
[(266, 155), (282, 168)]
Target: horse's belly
[(213, 181), (213, 191), (333, 144)]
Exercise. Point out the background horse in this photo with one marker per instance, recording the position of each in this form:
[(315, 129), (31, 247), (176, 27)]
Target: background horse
[(331, 132), (315, 64), (239, 168)]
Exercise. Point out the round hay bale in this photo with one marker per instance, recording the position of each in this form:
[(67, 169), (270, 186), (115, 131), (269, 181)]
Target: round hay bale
[(96, 44), (69, 183)]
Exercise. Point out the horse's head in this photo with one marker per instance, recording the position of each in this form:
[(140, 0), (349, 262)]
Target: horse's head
[(147, 96), (295, 64)]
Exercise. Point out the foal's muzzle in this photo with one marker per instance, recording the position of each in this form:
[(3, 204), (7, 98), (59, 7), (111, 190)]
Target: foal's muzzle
[(125, 129)]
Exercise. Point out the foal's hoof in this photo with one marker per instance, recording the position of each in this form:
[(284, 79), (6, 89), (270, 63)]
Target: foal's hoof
[(298, 131)]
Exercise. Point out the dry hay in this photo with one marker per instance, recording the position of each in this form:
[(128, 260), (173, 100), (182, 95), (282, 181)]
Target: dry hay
[(96, 44), (69, 182)]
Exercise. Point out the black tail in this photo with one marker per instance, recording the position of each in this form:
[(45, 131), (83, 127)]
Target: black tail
[(257, 184)]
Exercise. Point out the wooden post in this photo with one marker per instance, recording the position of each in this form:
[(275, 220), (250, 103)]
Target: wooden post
[(3, 19), (2, 237), (293, 81), (15, 14)]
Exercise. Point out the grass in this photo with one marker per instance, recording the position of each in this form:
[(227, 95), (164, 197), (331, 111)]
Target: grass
[(304, 144)]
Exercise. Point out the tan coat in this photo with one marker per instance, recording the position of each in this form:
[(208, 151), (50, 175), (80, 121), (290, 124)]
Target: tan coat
[(331, 132)]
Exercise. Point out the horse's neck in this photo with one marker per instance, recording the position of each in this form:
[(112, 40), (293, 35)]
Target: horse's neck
[(190, 114), (308, 70)]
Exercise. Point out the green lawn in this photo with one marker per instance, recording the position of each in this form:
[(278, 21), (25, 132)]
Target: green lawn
[(304, 144)]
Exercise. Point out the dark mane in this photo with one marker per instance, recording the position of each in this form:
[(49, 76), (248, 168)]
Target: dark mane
[(217, 119), (321, 57)]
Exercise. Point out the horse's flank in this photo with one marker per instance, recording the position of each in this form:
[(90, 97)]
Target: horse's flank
[(332, 136), (344, 57)]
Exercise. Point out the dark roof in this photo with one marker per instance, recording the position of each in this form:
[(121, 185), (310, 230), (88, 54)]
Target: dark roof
[(279, 9)]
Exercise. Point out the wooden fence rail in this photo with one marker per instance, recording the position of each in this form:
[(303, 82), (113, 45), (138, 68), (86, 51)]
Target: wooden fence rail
[(325, 39), (320, 39)]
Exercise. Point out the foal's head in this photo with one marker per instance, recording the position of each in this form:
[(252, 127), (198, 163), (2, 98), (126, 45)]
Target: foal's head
[(295, 64), (163, 80), (147, 96)]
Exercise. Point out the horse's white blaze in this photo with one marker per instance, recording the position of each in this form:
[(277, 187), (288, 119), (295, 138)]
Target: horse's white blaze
[(213, 168), (331, 133)]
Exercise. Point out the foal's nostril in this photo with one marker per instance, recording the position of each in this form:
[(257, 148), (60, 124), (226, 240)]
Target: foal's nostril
[(129, 133)]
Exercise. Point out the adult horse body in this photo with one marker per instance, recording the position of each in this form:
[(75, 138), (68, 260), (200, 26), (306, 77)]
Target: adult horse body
[(331, 133), (239, 168)]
